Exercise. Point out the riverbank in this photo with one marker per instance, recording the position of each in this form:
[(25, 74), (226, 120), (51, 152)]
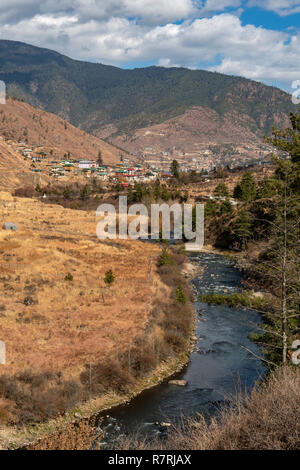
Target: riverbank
[(250, 423), (24, 437), (217, 364), (40, 434)]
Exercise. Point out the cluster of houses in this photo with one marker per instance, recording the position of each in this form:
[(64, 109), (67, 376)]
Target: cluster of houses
[(125, 173)]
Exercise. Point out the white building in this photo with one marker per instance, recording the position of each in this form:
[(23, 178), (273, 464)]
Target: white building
[(86, 164)]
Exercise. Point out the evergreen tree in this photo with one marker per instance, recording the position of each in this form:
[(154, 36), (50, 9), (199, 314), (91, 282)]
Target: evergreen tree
[(85, 193), (267, 188), (237, 192), (280, 266), (181, 297), (99, 159), (226, 207), (246, 189), (242, 229), (221, 190), (138, 193), (288, 140), (210, 208), (67, 192), (175, 169), (130, 195), (109, 278), (156, 190), (165, 258)]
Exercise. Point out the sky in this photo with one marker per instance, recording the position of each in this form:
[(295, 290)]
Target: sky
[(257, 39)]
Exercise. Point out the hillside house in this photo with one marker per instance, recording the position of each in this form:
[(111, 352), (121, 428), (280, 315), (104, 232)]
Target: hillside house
[(86, 164)]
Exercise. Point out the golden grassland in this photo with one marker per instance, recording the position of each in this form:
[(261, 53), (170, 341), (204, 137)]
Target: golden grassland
[(77, 344), (68, 320)]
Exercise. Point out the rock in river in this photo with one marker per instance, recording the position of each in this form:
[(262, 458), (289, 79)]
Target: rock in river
[(179, 383)]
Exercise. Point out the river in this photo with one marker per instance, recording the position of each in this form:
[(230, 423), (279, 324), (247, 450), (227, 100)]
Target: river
[(218, 366)]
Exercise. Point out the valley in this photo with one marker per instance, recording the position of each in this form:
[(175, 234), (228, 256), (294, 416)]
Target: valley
[(89, 324), (167, 109), (61, 322)]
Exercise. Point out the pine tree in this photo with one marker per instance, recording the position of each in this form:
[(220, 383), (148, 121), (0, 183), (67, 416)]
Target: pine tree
[(165, 258), (267, 188), (288, 140), (210, 208), (281, 266), (226, 207), (246, 189), (67, 192), (242, 229), (221, 190), (85, 193), (109, 278), (156, 190), (175, 169), (130, 195), (99, 159), (181, 297), (237, 192), (138, 193)]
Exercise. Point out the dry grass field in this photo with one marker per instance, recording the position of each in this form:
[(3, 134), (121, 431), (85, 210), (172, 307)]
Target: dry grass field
[(14, 171), (68, 335)]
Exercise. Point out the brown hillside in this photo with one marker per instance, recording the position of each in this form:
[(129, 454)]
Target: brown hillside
[(14, 171), (56, 313), (21, 122), (188, 132)]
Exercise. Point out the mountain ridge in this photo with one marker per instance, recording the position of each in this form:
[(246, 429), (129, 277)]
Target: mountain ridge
[(113, 102)]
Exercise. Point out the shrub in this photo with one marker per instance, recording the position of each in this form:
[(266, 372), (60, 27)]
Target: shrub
[(69, 277), (26, 191), (181, 250), (165, 258), (237, 299), (109, 278), (72, 436), (221, 190), (29, 301), (35, 396), (107, 375), (175, 339), (181, 297)]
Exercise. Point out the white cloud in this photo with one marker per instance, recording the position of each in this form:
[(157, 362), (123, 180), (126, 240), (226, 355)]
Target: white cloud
[(220, 5), (148, 11), (151, 12), (281, 7), (73, 28)]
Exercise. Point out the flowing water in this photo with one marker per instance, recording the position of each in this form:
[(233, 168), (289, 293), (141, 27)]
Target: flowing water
[(218, 367)]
